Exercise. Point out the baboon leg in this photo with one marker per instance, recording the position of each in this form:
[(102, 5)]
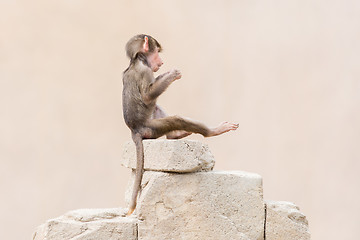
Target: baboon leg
[(163, 126), (177, 134)]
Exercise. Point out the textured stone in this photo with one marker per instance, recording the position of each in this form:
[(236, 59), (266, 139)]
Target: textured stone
[(203, 205), (180, 156), (182, 199), (284, 221), (89, 224)]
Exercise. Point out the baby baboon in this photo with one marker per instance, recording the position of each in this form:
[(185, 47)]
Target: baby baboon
[(142, 115)]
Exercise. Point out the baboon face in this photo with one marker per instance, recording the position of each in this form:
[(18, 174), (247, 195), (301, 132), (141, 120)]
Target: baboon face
[(154, 60)]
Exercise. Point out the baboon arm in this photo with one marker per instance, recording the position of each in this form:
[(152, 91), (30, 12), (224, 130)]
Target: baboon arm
[(161, 76), (157, 87)]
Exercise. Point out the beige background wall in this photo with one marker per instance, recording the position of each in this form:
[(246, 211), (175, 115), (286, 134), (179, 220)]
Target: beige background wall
[(287, 71)]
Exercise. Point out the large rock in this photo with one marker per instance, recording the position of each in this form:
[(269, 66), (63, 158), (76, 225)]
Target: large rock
[(284, 221), (182, 199), (180, 156), (89, 224), (203, 205)]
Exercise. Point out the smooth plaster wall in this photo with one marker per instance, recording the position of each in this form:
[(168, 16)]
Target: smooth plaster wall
[(287, 71)]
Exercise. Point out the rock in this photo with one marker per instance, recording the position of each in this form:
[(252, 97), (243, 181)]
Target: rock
[(181, 198), (203, 205), (284, 221), (89, 224), (180, 156)]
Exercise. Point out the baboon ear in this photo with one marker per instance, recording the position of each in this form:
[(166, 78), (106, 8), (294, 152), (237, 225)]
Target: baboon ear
[(146, 44)]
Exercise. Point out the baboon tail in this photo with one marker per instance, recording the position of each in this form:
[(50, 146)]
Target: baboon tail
[(137, 138)]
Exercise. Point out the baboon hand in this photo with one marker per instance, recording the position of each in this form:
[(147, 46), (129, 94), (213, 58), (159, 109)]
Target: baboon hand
[(175, 74)]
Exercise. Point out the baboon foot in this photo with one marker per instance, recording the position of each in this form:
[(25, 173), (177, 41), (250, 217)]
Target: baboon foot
[(223, 128)]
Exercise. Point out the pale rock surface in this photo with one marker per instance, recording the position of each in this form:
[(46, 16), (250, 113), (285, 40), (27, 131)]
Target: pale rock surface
[(181, 198), (89, 224), (202, 205), (164, 155), (284, 221)]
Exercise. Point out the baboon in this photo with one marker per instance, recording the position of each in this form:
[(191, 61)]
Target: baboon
[(142, 115)]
